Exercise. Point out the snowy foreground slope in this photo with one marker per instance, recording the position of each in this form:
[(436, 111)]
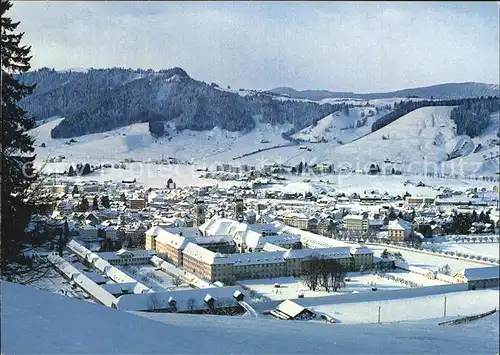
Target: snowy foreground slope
[(420, 140), (37, 322)]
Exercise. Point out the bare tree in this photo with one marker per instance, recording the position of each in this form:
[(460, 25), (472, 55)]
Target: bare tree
[(337, 275), (177, 281), (310, 274), (191, 303), (153, 302)]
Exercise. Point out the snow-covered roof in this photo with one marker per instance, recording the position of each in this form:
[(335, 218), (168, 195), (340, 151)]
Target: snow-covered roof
[(282, 239), (83, 281), (354, 217), (217, 226), (257, 258), (213, 239), (329, 253), (481, 273), (290, 308), (122, 253), (204, 255), (153, 231), (399, 224), (174, 240), (272, 247)]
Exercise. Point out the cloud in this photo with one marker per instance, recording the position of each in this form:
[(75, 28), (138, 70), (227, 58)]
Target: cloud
[(337, 46)]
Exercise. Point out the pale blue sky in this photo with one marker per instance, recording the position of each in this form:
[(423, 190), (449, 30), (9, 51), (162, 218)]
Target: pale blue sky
[(351, 46)]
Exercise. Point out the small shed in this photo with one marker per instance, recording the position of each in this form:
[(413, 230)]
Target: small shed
[(238, 295)]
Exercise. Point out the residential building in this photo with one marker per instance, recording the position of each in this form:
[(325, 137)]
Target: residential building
[(136, 204), (87, 233), (356, 223), (399, 230)]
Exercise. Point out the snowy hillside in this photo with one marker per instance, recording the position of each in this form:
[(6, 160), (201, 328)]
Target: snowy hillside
[(341, 128), (423, 138), (38, 322)]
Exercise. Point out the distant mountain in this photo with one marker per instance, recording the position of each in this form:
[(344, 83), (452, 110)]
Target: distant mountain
[(100, 100), (441, 91)]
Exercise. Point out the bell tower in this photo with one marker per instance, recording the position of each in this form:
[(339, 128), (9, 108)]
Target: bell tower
[(199, 212), (238, 208)]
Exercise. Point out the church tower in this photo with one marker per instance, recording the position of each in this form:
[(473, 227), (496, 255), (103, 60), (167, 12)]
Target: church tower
[(199, 212), (238, 209)]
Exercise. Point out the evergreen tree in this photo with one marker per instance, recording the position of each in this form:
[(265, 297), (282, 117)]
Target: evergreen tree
[(71, 171), (105, 201), (86, 169), (123, 198), (300, 168), (65, 231), (83, 206), (95, 203), (19, 202), (474, 216), (75, 190)]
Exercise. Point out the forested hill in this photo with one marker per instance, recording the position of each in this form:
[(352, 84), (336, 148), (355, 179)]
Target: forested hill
[(447, 91), (100, 100)]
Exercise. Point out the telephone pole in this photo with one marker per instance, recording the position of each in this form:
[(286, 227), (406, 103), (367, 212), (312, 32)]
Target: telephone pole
[(444, 307), (378, 315)]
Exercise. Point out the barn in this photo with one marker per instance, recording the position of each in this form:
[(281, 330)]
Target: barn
[(289, 310), (479, 277)]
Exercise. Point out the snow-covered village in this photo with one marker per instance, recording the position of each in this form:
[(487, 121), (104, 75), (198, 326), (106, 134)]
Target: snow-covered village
[(146, 211)]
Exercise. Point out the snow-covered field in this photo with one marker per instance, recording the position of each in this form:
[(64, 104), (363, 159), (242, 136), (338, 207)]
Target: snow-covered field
[(291, 287), (491, 250), (157, 280), (415, 142), (416, 308), (429, 261), (36, 322)]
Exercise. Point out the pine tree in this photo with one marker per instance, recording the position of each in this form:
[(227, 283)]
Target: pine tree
[(71, 171), (105, 201), (75, 190), (83, 206), (19, 202), (66, 230), (95, 203), (86, 169)]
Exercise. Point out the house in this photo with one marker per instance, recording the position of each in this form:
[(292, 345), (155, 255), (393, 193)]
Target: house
[(289, 310), (297, 220), (437, 230), (480, 277), (399, 230), (88, 233)]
